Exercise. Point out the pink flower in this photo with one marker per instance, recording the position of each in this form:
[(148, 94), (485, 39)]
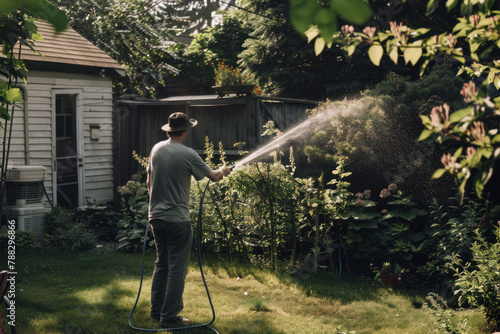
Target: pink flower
[(474, 20), (347, 30), (440, 116), (370, 31), (385, 193), (451, 41), (469, 91), (470, 152), (360, 202), (449, 162), (392, 187), (477, 131), (396, 29)]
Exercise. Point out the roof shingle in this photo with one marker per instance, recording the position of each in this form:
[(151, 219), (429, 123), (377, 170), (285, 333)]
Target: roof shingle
[(68, 47)]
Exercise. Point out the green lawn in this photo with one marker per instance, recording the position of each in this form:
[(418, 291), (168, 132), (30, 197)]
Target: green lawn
[(93, 292)]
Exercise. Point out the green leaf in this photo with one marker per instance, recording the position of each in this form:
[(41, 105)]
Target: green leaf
[(350, 49), (438, 173), (496, 139), (459, 58), (319, 45), (459, 114), (425, 134), (474, 45), (426, 120), (424, 66), (327, 24), (311, 33), (431, 7), (8, 6), (458, 152), (413, 53), (44, 10), (450, 4), (302, 13), (375, 53), (491, 77), (393, 54), (14, 95), (354, 11)]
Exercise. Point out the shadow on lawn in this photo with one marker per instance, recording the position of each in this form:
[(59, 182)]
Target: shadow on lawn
[(64, 292), (346, 289)]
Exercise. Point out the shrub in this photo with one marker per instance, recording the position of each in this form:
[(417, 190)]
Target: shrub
[(24, 240), (452, 232), (378, 134), (478, 281), (133, 217), (66, 231)]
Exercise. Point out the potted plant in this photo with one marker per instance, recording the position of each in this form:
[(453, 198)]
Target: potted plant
[(229, 80), (388, 274)]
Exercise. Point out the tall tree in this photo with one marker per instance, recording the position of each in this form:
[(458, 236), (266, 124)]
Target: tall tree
[(221, 43), (140, 35), (136, 33), (284, 64)]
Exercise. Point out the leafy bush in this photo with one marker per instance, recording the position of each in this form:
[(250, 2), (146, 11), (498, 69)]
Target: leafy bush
[(133, 217), (447, 320), (387, 230), (452, 232), (378, 135), (66, 231), (24, 240), (478, 281), (248, 213)]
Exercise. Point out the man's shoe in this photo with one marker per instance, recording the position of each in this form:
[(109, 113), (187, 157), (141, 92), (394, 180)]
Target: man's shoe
[(155, 317), (178, 320)]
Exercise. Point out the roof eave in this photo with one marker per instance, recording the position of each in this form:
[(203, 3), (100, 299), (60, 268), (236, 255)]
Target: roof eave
[(73, 68)]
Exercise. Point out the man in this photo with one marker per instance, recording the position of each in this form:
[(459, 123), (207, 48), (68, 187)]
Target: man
[(171, 165)]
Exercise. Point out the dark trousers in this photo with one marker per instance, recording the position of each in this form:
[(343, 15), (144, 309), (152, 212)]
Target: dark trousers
[(173, 247)]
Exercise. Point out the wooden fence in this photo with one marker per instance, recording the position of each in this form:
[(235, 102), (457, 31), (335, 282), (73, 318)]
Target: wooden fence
[(229, 120)]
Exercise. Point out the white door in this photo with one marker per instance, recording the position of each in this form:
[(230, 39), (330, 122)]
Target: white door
[(67, 149)]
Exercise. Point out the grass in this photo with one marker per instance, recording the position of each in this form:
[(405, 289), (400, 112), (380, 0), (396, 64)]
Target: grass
[(93, 292)]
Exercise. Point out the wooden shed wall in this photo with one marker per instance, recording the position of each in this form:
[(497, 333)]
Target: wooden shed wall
[(96, 106)]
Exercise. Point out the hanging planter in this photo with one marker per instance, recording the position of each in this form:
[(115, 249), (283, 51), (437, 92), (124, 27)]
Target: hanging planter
[(239, 90)]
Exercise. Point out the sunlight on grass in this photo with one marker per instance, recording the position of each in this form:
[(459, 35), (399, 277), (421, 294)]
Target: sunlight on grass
[(65, 298)]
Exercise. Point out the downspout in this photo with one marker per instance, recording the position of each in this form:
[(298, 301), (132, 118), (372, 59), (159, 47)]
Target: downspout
[(26, 126)]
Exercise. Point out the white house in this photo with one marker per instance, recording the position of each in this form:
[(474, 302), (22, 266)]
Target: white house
[(65, 122)]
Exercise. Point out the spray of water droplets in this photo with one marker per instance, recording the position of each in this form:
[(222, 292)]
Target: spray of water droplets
[(323, 118)]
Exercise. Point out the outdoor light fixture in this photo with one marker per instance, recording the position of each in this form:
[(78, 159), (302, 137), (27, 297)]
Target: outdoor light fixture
[(95, 131)]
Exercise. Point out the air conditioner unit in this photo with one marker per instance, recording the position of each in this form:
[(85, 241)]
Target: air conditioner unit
[(24, 186), (25, 173), (24, 191), (29, 219)]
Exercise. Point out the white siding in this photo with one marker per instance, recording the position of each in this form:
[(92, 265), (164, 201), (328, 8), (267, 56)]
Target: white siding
[(96, 106), (17, 142)]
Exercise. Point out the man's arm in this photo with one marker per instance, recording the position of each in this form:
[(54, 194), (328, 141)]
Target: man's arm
[(148, 184), (218, 174)]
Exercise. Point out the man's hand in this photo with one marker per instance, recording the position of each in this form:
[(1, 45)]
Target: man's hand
[(217, 175), (225, 170)]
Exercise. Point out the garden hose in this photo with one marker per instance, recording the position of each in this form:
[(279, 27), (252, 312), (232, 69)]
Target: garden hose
[(198, 237)]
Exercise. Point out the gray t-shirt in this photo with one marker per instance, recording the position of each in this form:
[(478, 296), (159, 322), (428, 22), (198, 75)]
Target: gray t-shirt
[(170, 168)]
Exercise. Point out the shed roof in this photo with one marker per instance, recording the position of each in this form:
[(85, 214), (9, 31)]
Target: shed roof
[(68, 47)]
